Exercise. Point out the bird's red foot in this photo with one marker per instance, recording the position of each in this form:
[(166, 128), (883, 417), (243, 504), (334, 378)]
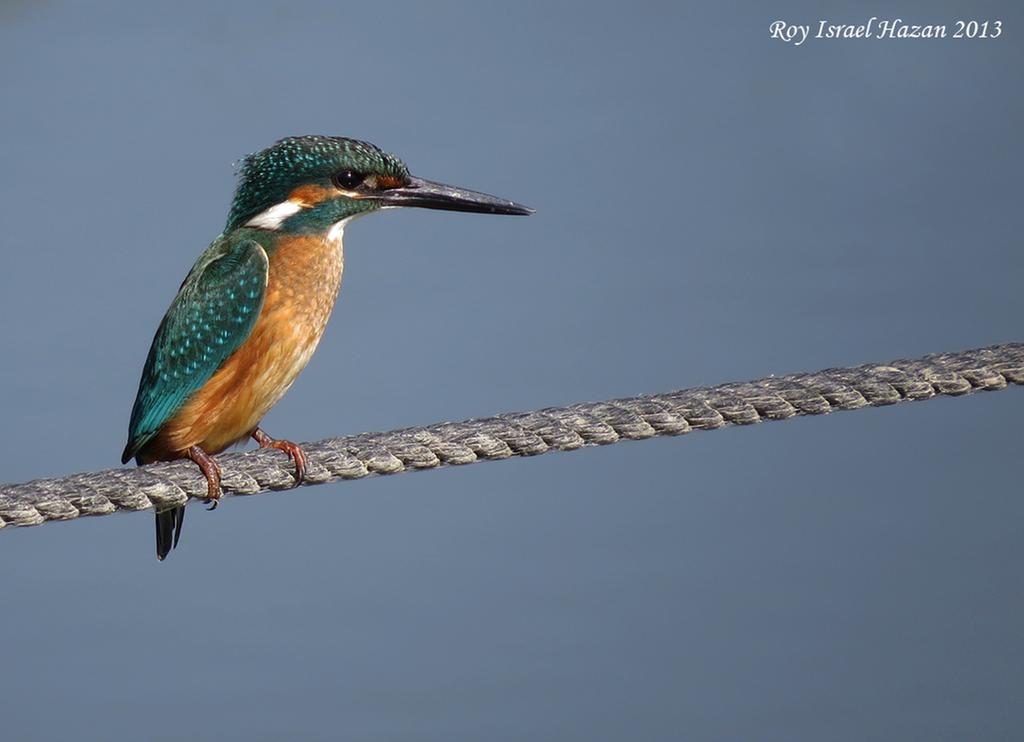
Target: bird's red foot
[(211, 470), (292, 449)]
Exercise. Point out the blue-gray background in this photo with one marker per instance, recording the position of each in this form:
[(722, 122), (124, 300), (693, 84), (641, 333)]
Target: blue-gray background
[(712, 205)]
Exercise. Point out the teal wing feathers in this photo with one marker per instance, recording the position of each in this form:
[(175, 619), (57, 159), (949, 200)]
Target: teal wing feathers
[(212, 315)]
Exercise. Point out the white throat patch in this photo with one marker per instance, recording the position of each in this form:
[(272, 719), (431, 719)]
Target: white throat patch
[(337, 230)]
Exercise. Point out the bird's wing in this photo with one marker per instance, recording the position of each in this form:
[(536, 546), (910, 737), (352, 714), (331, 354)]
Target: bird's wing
[(212, 315)]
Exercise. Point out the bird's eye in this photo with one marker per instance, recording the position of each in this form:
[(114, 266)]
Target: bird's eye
[(348, 179)]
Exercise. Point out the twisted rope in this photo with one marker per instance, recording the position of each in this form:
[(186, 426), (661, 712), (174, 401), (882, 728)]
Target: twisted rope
[(521, 434)]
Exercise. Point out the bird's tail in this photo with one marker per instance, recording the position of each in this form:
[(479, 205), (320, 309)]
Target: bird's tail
[(168, 530)]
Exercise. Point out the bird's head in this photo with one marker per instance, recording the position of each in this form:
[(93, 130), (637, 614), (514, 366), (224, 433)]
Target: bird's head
[(310, 183)]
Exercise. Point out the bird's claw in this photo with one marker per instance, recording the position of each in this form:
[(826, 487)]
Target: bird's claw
[(211, 470), (292, 449)]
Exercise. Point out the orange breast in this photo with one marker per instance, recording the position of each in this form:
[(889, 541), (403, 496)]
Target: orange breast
[(302, 284)]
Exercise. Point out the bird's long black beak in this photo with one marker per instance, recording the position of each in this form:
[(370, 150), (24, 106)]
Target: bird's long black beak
[(430, 195)]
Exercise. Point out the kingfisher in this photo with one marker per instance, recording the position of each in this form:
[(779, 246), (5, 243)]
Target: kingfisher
[(249, 315)]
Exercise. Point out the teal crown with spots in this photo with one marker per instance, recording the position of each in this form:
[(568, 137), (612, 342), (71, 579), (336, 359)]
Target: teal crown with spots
[(267, 177)]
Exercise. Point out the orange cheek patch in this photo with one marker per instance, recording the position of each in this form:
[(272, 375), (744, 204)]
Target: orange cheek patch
[(309, 195)]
